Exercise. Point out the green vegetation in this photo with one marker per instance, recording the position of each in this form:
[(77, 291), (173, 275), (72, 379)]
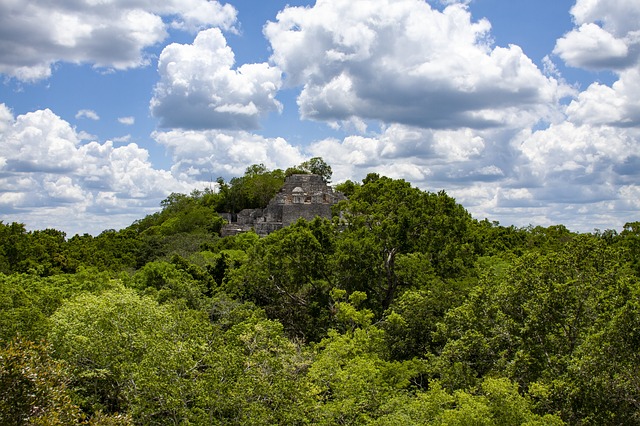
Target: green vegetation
[(401, 310)]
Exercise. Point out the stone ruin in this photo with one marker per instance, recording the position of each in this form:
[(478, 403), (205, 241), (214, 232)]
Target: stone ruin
[(302, 196)]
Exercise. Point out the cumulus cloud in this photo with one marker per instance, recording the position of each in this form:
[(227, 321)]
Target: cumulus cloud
[(592, 47), (111, 33), (586, 170), (401, 61), (585, 166), (205, 155), (451, 111), (40, 141), (607, 36), (618, 105), (567, 151), (199, 89), (87, 113), (432, 159), (620, 17), (50, 178)]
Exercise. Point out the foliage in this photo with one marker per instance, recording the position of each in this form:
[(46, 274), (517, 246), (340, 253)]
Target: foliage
[(536, 323), (286, 274), (28, 301), (253, 190), (401, 310), (315, 165), (33, 387), (388, 218), (495, 402), (602, 384), (167, 282), (36, 251), (351, 376), (347, 188)]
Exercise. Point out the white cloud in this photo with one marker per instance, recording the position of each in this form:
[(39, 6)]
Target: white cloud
[(50, 179), (431, 159), (459, 145), (205, 155), (619, 17), (199, 89), (449, 2), (570, 151), (125, 138), (110, 33), (452, 110), (87, 113), (618, 105), (584, 169), (63, 189), (581, 175), (40, 141), (400, 61), (607, 36), (592, 47), (6, 118), (127, 121), (439, 88)]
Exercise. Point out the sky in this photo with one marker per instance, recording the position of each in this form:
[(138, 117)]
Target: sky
[(527, 112)]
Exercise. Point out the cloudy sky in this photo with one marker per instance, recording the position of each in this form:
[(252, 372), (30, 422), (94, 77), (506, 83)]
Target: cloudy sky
[(526, 111)]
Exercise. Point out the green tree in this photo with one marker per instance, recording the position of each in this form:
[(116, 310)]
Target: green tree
[(253, 190), (166, 282), (167, 364), (39, 252), (492, 239), (602, 384), (495, 402), (33, 387), (13, 247), (317, 166), (351, 376), (287, 274), (412, 319), (548, 239), (255, 375), (386, 218), (629, 239), (27, 301), (111, 250), (528, 322), (20, 313), (348, 188), (104, 338)]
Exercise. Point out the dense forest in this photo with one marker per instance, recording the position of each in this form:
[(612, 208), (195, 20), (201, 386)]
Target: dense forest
[(400, 310)]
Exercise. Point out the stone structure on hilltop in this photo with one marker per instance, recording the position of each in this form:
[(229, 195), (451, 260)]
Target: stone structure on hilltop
[(301, 196)]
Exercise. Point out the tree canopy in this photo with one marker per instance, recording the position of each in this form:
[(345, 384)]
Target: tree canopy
[(400, 309)]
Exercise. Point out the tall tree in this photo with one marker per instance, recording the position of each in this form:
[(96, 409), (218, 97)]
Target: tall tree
[(288, 275), (385, 218), (318, 166)]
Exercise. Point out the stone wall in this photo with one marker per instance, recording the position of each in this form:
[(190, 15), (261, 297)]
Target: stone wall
[(291, 213)]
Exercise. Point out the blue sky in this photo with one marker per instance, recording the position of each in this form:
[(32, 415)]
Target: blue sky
[(527, 112)]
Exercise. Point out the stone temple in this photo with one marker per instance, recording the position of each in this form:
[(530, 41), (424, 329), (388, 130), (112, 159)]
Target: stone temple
[(302, 196)]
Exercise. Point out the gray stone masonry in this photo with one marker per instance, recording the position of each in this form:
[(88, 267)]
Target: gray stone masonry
[(301, 196)]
